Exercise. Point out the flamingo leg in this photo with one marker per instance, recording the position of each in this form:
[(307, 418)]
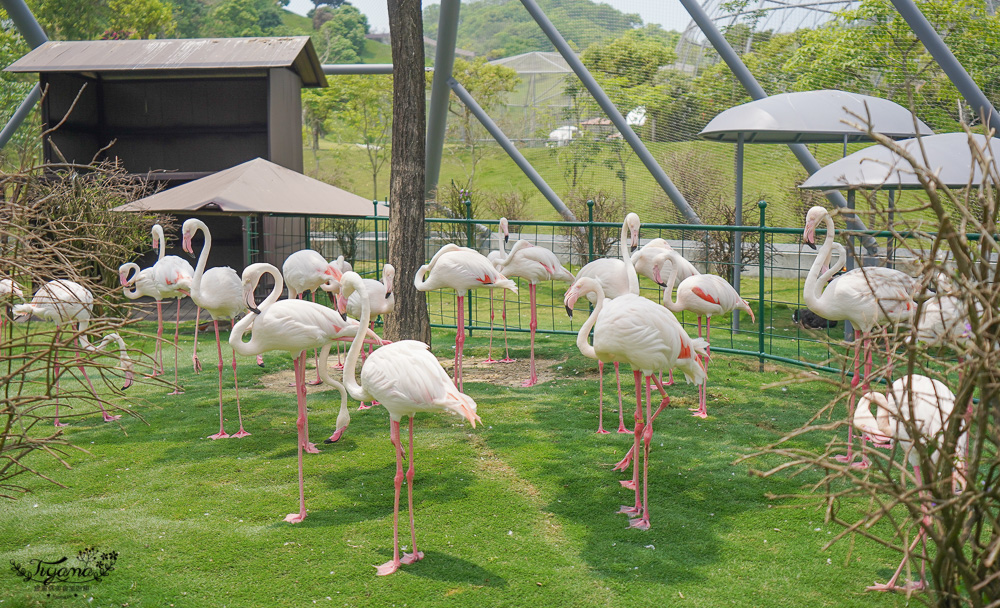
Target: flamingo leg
[(317, 381), (849, 458), (218, 343), (239, 413), (891, 585), (600, 399), (633, 455), (489, 353), (362, 405), (158, 350), (702, 411), (532, 377), (391, 566), (416, 556), (299, 364), (460, 342), (642, 523), (194, 355), (621, 407), (56, 422), (506, 348), (177, 334), (107, 417)]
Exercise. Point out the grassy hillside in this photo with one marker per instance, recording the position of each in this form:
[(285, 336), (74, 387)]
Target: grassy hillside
[(297, 24), (376, 52)]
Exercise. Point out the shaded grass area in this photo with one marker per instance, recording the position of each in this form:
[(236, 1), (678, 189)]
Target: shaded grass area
[(520, 510)]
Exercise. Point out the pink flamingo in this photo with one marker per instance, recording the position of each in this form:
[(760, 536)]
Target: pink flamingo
[(495, 257), (381, 301), (917, 409), (535, 264), (220, 292), (461, 269), (173, 276), (293, 326), (645, 335), (307, 270), (617, 277), (704, 295), (406, 379), (649, 257), (139, 283), (864, 296), (63, 301)]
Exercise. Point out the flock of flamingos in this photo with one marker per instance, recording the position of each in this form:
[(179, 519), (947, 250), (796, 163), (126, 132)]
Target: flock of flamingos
[(406, 379)]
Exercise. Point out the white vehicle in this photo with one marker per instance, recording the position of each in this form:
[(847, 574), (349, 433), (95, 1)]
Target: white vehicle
[(562, 135)]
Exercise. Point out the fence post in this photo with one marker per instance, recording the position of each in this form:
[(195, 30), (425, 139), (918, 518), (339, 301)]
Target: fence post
[(308, 234), (468, 237), (590, 231), (760, 285), (378, 267)]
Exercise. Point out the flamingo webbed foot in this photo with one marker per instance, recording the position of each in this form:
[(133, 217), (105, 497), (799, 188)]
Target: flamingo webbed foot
[(364, 407), (911, 586), (640, 523), (623, 464), (294, 518), (411, 558), (111, 418), (176, 391), (601, 431), (627, 484), (529, 383), (240, 434), (59, 424), (310, 447), (629, 510), (220, 435), (387, 568), (700, 414), (260, 360), (507, 360), (315, 382)]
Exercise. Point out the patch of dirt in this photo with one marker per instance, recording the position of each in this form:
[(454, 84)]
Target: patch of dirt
[(505, 374)]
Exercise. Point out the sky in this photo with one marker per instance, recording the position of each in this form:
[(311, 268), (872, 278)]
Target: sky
[(669, 14)]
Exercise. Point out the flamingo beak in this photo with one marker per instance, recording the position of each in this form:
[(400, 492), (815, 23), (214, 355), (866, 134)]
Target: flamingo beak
[(121, 277), (506, 238), (569, 311), (186, 245), (260, 361), (657, 277), (809, 235), (336, 435), (128, 379)]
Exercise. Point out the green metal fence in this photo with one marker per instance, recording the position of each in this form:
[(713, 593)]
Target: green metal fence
[(772, 279)]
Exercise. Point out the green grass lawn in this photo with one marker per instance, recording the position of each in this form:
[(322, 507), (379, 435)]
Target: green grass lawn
[(520, 510)]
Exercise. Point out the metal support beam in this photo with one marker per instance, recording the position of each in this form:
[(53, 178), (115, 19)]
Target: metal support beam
[(341, 69), (946, 59), (612, 112), (35, 36), (750, 83), (437, 114), (511, 150)]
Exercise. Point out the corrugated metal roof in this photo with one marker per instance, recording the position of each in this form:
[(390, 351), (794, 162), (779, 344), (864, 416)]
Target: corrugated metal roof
[(256, 186), (294, 52)]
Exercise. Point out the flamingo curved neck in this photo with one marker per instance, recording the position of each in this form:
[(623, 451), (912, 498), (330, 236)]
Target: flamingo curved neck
[(158, 237), (518, 246), (350, 382), (813, 289), (581, 337), (199, 269), (668, 291), (630, 273), (251, 348)]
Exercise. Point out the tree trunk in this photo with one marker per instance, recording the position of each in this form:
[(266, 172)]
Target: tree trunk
[(406, 180)]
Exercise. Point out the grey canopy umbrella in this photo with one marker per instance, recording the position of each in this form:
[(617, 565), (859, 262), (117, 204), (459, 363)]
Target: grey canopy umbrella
[(823, 116)]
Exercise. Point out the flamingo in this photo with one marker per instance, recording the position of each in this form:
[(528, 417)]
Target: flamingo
[(616, 277), (293, 326), (405, 378), (461, 269), (645, 335), (220, 292), (333, 289), (63, 301), (381, 300), (917, 409), (306, 270), (648, 258), (535, 264), (704, 295), (495, 257), (138, 283), (173, 276), (864, 296)]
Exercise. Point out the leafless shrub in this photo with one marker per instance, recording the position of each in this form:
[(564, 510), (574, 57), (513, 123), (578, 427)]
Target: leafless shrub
[(606, 209), (56, 223), (511, 205), (455, 202), (954, 501)]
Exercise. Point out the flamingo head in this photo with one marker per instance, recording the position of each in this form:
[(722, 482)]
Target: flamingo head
[(504, 230), (582, 286), (22, 312), (875, 427), (632, 221), (187, 232), (815, 215), (123, 272), (388, 277), (658, 263), (343, 420)]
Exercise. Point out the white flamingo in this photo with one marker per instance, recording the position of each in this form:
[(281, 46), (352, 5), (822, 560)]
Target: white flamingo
[(495, 256), (307, 270), (866, 297), (63, 302), (220, 292), (381, 301), (704, 295), (916, 410), (173, 276), (649, 257), (461, 269), (293, 326), (645, 335), (616, 277), (535, 264), (406, 379)]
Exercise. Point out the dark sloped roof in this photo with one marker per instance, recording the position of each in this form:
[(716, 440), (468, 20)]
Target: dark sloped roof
[(294, 52), (256, 186)]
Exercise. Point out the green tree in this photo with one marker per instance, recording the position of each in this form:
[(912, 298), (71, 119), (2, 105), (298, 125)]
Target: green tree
[(90, 19), (367, 111), (321, 11), (143, 18), (13, 88), (633, 58), (240, 18), (341, 39), (870, 49), (318, 106)]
